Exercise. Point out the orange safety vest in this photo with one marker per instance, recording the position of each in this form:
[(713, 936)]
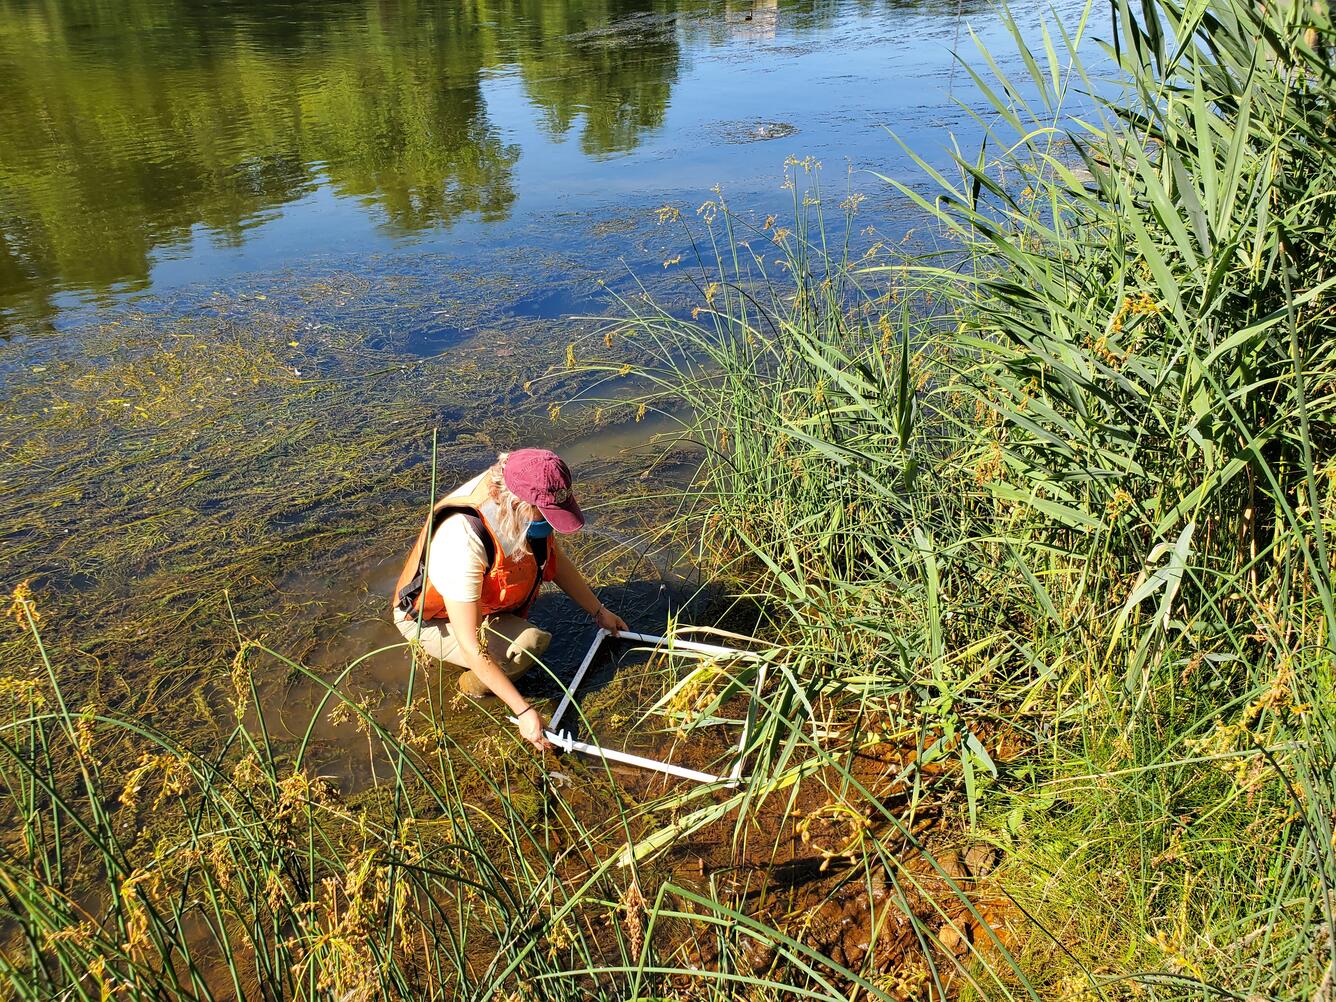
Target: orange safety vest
[(510, 583)]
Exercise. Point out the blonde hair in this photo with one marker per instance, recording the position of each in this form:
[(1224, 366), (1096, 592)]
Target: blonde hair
[(514, 514)]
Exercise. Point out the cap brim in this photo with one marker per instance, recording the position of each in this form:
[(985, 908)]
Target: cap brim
[(567, 518)]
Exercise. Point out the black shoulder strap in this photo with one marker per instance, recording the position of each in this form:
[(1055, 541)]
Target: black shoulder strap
[(483, 536), (413, 589)]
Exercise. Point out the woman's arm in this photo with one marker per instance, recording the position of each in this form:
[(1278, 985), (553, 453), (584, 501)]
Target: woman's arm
[(568, 578), (464, 620)]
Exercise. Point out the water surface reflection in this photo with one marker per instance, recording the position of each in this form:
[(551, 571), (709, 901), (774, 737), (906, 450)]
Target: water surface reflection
[(130, 126)]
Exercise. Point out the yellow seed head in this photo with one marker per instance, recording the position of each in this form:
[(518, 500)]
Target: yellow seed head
[(22, 607)]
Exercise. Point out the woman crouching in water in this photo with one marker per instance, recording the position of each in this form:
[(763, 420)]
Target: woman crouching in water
[(476, 568)]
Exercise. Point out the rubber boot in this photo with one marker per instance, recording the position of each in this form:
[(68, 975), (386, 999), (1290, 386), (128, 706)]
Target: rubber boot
[(525, 650), (520, 656)]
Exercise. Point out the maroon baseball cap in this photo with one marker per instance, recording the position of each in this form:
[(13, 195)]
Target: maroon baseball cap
[(541, 478)]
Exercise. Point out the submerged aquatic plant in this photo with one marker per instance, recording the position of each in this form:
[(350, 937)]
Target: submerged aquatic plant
[(1036, 530)]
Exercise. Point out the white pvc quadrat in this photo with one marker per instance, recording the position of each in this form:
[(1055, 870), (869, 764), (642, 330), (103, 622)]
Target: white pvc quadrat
[(565, 741)]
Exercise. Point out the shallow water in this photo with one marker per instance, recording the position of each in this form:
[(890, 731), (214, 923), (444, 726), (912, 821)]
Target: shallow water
[(384, 216)]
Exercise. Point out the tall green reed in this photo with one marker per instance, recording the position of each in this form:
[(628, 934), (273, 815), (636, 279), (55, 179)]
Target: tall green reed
[(1063, 489)]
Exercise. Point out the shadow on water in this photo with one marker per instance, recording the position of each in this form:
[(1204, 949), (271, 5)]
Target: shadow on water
[(553, 300), (548, 304)]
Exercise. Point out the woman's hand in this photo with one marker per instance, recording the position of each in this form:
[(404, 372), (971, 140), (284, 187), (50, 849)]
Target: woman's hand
[(609, 620), (532, 726)]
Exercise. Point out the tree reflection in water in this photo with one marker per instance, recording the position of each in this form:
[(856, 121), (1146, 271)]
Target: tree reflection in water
[(126, 125)]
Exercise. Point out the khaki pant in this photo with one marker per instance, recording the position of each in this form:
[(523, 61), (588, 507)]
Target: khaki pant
[(512, 642)]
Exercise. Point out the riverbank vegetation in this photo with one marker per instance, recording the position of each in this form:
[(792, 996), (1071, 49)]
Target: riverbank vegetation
[(1034, 532), (1057, 500)]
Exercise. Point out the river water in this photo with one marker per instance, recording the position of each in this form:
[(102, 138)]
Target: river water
[(153, 146), (223, 224)]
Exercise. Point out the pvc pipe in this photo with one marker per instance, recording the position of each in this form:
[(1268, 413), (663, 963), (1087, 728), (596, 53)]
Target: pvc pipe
[(686, 645), (579, 675), (566, 743), (645, 638)]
